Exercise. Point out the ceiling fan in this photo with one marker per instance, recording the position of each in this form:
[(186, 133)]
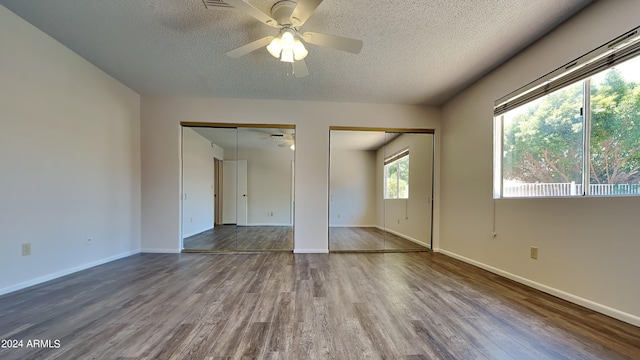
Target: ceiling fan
[(280, 138), (284, 141), (288, 16)]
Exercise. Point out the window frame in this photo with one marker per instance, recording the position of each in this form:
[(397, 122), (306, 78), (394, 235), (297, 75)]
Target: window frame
[(620, 50)]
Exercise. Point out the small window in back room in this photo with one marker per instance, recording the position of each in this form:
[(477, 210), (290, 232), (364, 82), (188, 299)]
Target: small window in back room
[(396, 176)]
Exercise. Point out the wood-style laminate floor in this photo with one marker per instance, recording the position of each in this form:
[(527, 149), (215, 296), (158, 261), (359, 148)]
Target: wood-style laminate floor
[(245, 238), (303, 306), (368, 239)]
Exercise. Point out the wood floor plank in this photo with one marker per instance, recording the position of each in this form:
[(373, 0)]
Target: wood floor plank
[(281, 330), (303, 306), (232, 238), (254, 342), (368, 239)]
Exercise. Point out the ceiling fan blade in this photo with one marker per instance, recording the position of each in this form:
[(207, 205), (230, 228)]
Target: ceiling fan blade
[(252, 11), (252, 46), (300, 69), (303, 11), (333, 41)]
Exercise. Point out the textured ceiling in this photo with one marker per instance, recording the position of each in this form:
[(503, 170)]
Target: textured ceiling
[(415, 51)]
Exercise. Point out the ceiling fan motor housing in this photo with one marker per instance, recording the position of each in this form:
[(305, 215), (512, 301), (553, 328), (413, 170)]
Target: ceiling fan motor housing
[(281, 12)]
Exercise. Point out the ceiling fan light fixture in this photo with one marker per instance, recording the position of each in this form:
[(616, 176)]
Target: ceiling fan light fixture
[(287, 56), (287, 39), (275, 47), (299, 51), (287, 47)]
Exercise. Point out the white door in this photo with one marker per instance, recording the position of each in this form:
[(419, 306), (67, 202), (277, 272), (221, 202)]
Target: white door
[(243, 197), (229, 194)]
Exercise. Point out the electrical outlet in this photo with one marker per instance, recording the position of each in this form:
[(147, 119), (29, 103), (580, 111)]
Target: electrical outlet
[(89, 241), (26, 249), (534, 253)]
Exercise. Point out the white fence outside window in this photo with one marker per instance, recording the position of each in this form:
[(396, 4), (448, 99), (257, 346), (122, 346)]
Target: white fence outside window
[(567, 189)]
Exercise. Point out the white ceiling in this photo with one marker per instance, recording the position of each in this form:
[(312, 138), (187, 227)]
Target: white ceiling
[(415, 52)]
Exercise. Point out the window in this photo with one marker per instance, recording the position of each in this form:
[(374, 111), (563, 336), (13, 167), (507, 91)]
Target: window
[(615, 131), (575, 134), (396, 176), (543, 146)]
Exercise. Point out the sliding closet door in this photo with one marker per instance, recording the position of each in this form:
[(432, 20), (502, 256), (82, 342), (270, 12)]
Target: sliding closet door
[(265, 212), (356, 215), (380, 190), (407, 170), (254, 189), (204, 182)]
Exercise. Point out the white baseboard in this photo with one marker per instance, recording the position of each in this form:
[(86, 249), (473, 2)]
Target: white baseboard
[(65, 272), (416, 241), (271, 224), (614, 313), (356, 226), (311, 251), (196, 233), (160, 251)]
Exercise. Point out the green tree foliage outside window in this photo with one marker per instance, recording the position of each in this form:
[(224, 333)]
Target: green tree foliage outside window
[(397, 179), (543, 143), (615, 130)]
